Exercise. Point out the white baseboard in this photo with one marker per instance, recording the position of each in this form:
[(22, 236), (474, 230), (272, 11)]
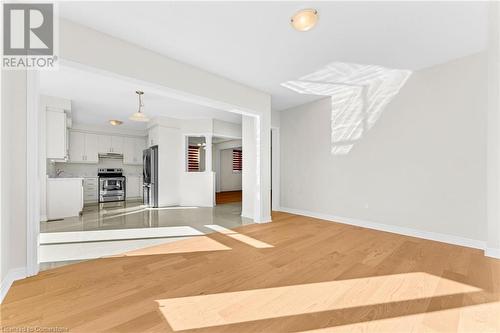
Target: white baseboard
[(264, 220), (247, 216), (434, 236), (12, 275), (492, 252)]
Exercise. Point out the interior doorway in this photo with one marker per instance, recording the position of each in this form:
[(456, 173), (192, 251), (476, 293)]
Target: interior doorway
[(228, 166)]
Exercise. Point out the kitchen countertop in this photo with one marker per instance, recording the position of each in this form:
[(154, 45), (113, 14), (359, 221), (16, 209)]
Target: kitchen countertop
[(64, 178), (83, 177)]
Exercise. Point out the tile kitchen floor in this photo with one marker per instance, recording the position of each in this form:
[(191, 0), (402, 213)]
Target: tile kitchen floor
[(126, 215)]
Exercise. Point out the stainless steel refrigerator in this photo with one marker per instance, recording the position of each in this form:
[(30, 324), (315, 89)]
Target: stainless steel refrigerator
[(150, 176)]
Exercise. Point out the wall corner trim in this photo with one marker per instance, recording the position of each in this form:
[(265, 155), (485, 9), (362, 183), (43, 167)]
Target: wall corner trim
[(429, 235), (12, 275)]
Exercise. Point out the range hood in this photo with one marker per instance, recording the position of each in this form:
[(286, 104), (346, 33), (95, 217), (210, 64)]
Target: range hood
[(116, 156)]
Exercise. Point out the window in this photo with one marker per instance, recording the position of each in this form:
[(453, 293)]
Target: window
[(195, 154), (237, 160)]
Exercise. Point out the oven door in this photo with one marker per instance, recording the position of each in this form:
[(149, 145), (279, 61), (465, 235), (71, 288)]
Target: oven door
[(111, 189)]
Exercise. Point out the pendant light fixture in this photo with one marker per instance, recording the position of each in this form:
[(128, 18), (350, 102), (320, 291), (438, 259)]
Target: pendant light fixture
[(139, 115)]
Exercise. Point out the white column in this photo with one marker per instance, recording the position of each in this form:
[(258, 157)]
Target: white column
[(249, 179), (208, 153), (256, 176), (263, 200), (493, 144)]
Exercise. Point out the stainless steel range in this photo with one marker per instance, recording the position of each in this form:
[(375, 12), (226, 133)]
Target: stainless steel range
[(111, 184)]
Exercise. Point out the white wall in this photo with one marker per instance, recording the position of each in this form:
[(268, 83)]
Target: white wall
[(226, 129), (421, 166), (229, 181), (275, 118), (13, 173)]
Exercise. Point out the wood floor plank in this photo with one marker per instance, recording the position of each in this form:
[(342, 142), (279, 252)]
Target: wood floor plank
[(125, 293), (228, 197)]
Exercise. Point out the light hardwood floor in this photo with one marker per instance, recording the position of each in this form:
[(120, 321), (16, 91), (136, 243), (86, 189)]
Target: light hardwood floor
[(294, 274)]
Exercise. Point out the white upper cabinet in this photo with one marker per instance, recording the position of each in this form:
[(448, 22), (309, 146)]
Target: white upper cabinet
[(83, 147), (117, 144), (91, 148), (153, 136), (105, 145), (86, 147), (132, 150), (76, 147), (56, 132), (111, 144)]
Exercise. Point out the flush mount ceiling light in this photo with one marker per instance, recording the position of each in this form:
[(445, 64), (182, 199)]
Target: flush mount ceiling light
[(139, 115), (115, 122), (304, 19)]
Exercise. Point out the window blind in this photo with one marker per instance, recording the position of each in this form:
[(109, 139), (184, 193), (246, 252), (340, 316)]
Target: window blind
[(237, 160), (193, 158)]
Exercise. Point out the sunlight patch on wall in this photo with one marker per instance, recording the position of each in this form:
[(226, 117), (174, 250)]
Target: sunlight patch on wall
[(227, 308), (359, 94)]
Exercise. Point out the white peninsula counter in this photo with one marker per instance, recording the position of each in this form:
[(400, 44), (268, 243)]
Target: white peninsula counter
[(64, 197)]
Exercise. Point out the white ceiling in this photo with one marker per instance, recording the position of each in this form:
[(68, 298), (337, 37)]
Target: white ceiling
[(253, 43), (98, 98)]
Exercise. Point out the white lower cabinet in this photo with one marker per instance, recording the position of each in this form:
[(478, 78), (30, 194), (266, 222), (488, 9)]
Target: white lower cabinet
[(90, 189), (64, 197), (134, 187)]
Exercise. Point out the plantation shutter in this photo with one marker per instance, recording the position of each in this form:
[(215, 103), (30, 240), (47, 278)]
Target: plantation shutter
[(237, 160)]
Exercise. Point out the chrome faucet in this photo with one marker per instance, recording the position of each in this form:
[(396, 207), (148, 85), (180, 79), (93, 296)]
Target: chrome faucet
[(59, 172)]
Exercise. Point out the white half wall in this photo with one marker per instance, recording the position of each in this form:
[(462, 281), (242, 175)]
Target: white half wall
[(197, 189), (422, 165)]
